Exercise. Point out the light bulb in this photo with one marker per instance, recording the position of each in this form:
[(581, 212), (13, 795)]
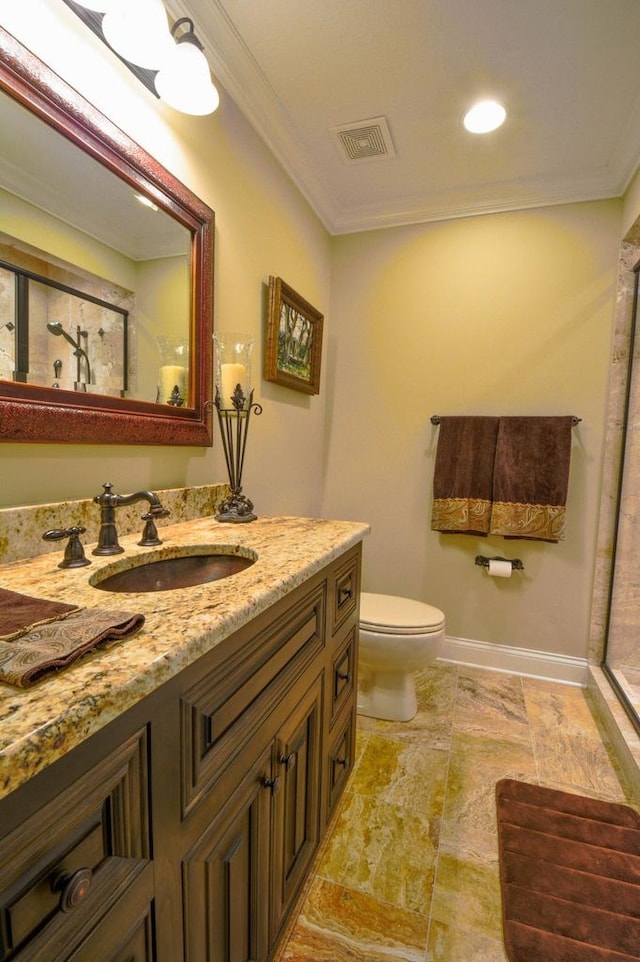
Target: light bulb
[(184, 81), (485, 116), (139, 32)]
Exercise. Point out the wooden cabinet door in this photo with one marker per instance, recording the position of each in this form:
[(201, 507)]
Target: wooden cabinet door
[(296, 803), (226, 875)]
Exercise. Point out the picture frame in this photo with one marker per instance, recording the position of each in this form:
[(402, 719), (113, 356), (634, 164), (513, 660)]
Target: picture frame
[(293, 348)]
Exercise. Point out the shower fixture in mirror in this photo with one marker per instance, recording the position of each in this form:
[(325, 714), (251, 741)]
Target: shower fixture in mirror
[(106, 265)]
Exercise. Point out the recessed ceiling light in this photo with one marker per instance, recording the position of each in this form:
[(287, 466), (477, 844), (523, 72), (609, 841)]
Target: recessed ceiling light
[(484, 116)]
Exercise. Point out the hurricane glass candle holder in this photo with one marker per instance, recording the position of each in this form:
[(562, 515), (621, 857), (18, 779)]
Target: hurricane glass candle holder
[(234, 404), (173, 375)]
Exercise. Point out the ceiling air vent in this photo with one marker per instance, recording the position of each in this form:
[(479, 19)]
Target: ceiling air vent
[(364, 140)]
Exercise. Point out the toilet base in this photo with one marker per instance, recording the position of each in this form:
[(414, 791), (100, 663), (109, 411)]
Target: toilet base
[(388, 695)]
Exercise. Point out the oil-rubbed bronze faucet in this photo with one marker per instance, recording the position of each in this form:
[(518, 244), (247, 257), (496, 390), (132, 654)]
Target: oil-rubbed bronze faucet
[(108, 535), (74, 552)]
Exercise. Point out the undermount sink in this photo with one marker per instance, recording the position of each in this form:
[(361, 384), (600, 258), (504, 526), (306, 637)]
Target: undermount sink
[(195, 565)]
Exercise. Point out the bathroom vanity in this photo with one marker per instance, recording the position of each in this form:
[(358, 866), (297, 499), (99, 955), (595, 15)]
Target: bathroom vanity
[(164, 799)]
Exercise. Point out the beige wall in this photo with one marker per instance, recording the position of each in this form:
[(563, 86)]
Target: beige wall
[(263, 227), (163, 307), (504, 314), (44, 232)]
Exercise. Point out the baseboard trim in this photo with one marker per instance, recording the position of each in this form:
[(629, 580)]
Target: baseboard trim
[(516, 661)]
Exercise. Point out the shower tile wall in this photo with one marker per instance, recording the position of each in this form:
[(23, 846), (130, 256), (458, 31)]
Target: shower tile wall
[(621, 347), (622, 650)]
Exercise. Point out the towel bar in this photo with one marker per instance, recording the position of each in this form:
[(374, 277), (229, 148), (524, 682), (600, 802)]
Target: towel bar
[(435, 419), (516, 564)]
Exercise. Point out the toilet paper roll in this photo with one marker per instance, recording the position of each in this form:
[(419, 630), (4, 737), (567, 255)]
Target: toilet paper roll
[(500, 569)]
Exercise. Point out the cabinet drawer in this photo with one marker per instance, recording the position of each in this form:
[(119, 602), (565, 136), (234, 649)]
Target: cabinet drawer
[(68, 863), (343, 674), (224, 710), (346, 591), (340, 762)]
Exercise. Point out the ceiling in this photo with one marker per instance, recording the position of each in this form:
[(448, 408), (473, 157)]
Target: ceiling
[(568, 72)]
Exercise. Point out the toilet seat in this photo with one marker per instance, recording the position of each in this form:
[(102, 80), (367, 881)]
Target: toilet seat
[(393, 615)]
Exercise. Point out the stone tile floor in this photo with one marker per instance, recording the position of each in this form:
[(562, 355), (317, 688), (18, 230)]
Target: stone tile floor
[(410, 870)]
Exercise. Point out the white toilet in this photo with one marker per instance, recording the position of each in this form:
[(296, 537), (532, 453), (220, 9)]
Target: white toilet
[(397, 637)]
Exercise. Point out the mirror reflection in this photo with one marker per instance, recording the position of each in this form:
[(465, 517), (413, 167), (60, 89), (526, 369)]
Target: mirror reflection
[(95, 279)]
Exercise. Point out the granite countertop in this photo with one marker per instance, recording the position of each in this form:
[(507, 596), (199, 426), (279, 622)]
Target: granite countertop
[(40, 724)]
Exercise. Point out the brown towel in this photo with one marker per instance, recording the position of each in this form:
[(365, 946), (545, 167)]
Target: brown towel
[(463, 475), (531, 478), (18, 612), (36, 650)]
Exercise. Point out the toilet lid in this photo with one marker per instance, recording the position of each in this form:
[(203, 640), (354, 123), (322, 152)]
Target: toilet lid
[(394, 615)]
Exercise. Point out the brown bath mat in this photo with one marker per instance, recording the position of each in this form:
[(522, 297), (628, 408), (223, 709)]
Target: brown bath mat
[(570, 874)]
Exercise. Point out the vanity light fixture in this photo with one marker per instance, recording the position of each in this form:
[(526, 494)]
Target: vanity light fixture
[(183, 81), (485, 116), (170, 63), (138, 32)]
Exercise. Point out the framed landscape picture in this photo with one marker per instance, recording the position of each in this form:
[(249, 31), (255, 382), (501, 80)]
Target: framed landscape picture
[(293, 347)]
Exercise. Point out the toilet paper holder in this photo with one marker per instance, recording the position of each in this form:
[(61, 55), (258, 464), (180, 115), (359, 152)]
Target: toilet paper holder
[(516, 564)]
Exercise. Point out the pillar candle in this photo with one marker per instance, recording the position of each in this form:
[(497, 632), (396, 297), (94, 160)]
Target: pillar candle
[(230, 376), (170, 375)]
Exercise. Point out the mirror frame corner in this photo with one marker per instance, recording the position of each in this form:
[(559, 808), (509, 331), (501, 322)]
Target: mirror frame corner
[(32, 413)]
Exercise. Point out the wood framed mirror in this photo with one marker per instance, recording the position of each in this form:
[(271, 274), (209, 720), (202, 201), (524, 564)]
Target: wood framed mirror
[(109, 387)]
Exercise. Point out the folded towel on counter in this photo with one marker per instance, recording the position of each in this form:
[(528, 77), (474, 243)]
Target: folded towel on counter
[(19, 612), (41, 648), (463, 475), (531, 478)]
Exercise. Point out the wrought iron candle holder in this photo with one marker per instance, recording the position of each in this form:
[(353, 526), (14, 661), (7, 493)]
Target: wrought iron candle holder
[(234, 404)]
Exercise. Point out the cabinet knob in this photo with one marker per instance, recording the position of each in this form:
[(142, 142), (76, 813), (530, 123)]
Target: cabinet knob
[(344, 594), (341, 761), (73, 888), (288, 760), (272, 783), (344, 675)]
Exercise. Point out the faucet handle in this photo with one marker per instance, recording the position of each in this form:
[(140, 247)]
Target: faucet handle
[(150, 532), (74, 556)]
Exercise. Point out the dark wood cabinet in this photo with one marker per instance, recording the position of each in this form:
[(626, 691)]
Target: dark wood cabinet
[(241, 877), (226, 874), (296, 820), (65, 865), (184, 830), (125, 935)]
